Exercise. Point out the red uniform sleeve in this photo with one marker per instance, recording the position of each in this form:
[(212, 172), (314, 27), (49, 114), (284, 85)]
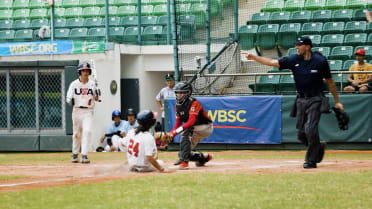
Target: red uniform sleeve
[(193, 113)]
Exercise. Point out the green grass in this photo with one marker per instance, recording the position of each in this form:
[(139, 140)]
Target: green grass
[(9, 177), (202, 190)]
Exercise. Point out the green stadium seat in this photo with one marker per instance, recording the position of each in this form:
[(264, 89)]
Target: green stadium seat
[(149, 20), (21, 24), (266, 84), (60, 23), (360, 14), (158, 2), (6, 35), (356, 4), (356, 27), (163, 35), (279, 17), (128, 10), (19, 4), (113, 10), (342, 15), (259, 18), (62, 33), (335, 4), (131, 34), (6, 24), (333, 27), (37, 4), (91, 12), (247, 36), (367, 49), (70, 3), (369, 27), (188, 27), (335, 65), (332, 40), (182, 9), (273, 6), (113, 21), (369, 39), (338, 80), (355, 39), (321, 16), (101, 3), (125, 2), (315, 4), (348, 64), (300, 16), (129, 21), (325, 51), (266, 36), (116, 33), (288, 34), (163, 20), (6, 4), (341, 52), (75, 22), (37, 23), (150, 35), (311, 28), (6, 14), (199, 10), (21, 14), (40, 13), (73, 12), (87, 3), (23, 35), (160, 10), (96, 33), (58, 3), (93, 22), (287, 84), (146, 10), (293, 5), (291, 51), (79, 33), (59, 12), (315, 39)]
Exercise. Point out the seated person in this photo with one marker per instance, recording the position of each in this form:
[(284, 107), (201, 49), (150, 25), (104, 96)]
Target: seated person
[(359, 82), (132, 122), (115, 132)]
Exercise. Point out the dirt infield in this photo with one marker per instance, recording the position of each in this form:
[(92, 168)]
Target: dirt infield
[(41, 175)]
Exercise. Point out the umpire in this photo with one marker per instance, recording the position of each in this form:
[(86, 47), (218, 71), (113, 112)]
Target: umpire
[(308, 68)]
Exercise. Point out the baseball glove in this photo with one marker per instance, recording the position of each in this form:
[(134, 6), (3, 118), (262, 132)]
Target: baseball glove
[(342, 118), (162, 136)]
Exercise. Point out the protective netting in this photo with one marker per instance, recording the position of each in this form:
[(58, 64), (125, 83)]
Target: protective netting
[(31, 100)]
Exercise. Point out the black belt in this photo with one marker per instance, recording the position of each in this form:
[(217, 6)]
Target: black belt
[(307, 95)]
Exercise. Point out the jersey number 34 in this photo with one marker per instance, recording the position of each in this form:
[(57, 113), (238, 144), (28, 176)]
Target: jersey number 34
[(133, 149)]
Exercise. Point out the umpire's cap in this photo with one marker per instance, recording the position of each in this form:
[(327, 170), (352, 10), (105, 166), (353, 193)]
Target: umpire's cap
[(304, 41)]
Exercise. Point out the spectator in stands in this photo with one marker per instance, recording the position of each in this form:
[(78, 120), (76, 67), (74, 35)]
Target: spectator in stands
[(309, 69), (369, 16), (165, 93), (359, 82)]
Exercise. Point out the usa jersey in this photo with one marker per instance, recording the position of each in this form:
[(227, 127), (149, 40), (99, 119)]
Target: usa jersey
[(83, 94), (138, 147)]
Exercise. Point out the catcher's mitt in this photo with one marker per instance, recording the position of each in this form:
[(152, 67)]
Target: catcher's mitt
[(342, 118), (162, 136)]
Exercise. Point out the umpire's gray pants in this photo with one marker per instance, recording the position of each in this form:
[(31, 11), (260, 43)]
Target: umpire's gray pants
[(308, 116)]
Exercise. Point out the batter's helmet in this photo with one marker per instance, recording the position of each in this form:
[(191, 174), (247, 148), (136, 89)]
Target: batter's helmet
[(182, 87), (115, 113), (84, 66), (130, 111), (146, 118)]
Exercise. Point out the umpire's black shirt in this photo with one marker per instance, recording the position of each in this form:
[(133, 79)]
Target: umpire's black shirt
[(308, 74)]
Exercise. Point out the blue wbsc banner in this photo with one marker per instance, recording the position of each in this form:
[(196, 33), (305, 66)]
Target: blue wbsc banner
[(36, 48), (240, 120)]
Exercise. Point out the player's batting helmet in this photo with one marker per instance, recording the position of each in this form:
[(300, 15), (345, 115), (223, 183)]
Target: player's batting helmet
[(146, 118), (183, 88), (131, 111), (84, 66), (115, 113)]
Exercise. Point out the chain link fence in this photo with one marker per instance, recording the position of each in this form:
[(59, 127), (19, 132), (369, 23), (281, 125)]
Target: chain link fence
[(32, 101)]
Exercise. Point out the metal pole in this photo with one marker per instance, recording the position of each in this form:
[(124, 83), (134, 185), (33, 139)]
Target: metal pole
[(37, 118), (52, 21), (174, 39), (168, 23), (208, 21), (107, 16), (236, 19), (139, 21), (8, 99)]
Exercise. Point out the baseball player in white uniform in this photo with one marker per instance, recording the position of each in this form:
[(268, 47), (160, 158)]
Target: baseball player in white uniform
[(82, 95), (140, 145)]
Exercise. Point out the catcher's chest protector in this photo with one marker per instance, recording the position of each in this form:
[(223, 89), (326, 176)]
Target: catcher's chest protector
[(182, 110)]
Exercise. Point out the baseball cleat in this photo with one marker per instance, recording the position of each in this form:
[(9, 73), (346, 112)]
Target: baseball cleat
[(74, 158), (308, 165), (210, 157), (84, 159), (183, 166)]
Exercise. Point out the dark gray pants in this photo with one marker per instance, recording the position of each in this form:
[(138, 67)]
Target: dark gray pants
[(308, 116)]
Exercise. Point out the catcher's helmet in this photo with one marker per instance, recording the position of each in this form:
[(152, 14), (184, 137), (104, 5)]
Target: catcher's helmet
[(185, 88), (131, 111), (115, 113), (84, 66), (146, 118)]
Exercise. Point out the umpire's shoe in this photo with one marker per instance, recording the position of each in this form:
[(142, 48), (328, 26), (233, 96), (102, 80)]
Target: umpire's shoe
[(74, 158), (84, 159), (308, 165)]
